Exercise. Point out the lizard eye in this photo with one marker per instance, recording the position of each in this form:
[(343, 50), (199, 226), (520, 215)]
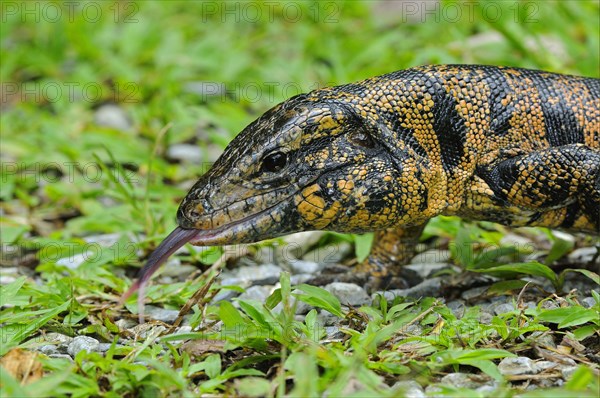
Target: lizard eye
[(274, 162), (361, 138)]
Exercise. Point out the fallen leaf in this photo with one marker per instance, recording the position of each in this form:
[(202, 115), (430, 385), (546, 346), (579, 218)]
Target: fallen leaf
[(23, 365)]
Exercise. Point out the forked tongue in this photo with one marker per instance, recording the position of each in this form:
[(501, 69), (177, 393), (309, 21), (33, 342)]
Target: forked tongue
[(174, 241)]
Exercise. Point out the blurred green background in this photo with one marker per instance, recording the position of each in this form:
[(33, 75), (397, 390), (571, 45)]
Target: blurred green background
[(126, 81), (110, 110)]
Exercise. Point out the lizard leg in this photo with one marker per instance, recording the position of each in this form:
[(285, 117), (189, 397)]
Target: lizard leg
[(392, 248), (550, 179)]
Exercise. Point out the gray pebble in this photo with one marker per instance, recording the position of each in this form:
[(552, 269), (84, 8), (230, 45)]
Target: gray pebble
[(567, 372), (334, 333), (504, 308), (409, 389), (257, 272), (412, 329), (113, 116), (7, 279), (48, 349), (103, 347), (583, 255), (161, 314), (588, 302), (304, 267), (517, 366), (465, 380), (424, 270), (225, 295), (81, 343), (125, 323), (348, 293), (543, 339), (486, 318), (258, 293), (326, 318), (185, 153), (473, 293), (300, 278), (457, 307), (545, 365), (428, 288)]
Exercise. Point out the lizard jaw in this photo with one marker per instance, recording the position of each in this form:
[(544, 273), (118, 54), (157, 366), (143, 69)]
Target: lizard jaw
[(239, 231)]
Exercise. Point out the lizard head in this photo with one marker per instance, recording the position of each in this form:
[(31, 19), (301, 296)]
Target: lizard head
[(307, 164)]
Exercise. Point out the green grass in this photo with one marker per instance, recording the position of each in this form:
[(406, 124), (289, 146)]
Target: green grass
[(65, 177)]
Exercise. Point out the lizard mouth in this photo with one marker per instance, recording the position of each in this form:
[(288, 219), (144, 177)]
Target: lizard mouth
[(245, 230)]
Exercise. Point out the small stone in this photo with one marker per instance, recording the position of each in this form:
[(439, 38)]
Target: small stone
[(583, 255), (125, 323), (588, 302), (73, 261), (304, 267), (302, 308), (412, 329), (457, 307), (473, 293), (82, 343), (486, 318), (185, 153), (461, 380), (300, 278), (567, 372), (258, 272), (518, 241), (348, 293), (326, 318), (7, 279), (258, 293), (48, 349), (113, 116), (58, 338), (428, 288), (517, 366), (161, 314), (225, 295), (425, 270), (504, 308), (546, 365), (409, 389), (543, 339), (334, 333)]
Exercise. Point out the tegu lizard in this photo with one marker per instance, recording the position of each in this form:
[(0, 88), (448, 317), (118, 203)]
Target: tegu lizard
[(514, 146)]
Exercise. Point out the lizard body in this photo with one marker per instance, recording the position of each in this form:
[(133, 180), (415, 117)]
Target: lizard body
[(514, 146)]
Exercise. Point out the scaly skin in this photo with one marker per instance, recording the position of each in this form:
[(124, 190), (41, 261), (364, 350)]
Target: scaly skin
[(513, 146)]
